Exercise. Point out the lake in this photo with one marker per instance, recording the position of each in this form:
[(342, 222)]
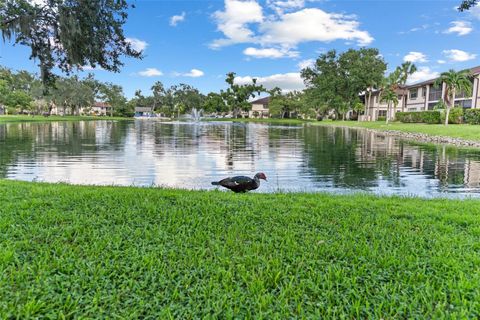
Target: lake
[(191, 155)]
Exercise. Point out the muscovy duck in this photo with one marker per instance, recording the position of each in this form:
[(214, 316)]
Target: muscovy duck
[(241, 183)]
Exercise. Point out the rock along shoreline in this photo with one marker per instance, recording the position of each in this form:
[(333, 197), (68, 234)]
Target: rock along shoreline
[(422, 137)]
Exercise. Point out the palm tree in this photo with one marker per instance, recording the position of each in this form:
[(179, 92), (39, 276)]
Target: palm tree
[(390, 97), (454, 82), (405, 70)]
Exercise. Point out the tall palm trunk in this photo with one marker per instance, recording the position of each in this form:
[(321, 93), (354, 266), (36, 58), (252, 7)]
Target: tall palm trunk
[(368, 106), (388, 113), (452, 105)]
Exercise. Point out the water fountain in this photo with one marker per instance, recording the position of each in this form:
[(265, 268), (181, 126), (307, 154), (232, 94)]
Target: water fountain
[(196, 114)]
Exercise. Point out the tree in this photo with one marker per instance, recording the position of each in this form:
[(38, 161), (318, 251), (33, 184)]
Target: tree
[(284, 104), (158, 91), (112, 94), (214, 103), (18, 100), (390, 97), (339, 79), (68, 34), (467, 5), (237, 96), (405, 70), (454, 82)]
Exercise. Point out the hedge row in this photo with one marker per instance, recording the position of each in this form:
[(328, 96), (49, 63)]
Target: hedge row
[(419, 117), (472, 116)]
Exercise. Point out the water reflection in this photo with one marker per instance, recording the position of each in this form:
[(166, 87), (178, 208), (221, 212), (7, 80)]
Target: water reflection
[(189, 155)]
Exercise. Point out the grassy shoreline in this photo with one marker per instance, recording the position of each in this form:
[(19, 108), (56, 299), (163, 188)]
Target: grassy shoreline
[(460, 131), (83, 251), (25, 118)]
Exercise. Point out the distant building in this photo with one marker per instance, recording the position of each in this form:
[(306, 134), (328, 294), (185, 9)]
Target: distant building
[(421, 97), (101, 109), (2, 110), (144, 112), (260, 108)]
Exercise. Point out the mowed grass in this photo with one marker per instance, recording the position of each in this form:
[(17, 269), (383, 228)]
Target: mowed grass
[(462, 131), (111, 252), (26, 118)]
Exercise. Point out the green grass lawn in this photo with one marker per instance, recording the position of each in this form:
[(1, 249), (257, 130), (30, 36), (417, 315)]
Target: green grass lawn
[(463, 131), (111, 252), (26, 118)]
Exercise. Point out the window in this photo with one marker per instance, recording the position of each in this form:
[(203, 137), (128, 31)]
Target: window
[(435, 93), (431, 105), (413, 93), (412, 109), (382, 113), (466, 104)]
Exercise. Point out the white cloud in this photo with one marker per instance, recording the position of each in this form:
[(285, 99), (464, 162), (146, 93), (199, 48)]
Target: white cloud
[(270, 53), (414, 56), (280, 6), (175, 20), (441, 61), (194, 73), (422, 74), (137, 44), (475, 11), (461, 28), (306, 64), (459, 55), (150, 72), (286, 30), (313, 25), (233, 22), (286, 81)]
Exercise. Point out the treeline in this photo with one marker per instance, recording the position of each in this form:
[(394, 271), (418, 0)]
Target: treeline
[(333, 88), (339, 83)]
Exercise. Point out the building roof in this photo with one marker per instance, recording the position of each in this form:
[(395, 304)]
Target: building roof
[(143, 109), (265, 100), (100, 104), (474, 71)]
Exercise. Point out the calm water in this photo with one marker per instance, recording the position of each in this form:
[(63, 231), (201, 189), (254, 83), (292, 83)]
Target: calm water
[(295, 158)]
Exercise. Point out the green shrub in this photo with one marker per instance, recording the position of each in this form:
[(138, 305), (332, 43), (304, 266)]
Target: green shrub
[(381, 118), (455, 116), (431, 117), (472, 116)]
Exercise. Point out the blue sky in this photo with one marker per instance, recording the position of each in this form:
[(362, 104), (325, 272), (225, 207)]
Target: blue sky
[(198, 42)]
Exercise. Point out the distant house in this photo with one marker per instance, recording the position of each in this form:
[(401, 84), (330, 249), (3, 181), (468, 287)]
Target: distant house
[(260, 108), (101, 108), (144, 112), (2, 110)]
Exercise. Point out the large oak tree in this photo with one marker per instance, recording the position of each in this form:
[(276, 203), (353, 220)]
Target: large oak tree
[(68, 34)]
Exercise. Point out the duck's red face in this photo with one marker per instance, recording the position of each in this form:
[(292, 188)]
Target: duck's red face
[(262, 175)]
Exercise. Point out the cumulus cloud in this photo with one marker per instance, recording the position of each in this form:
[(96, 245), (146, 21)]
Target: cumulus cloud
[(313, 24), (422, 74), (194, 73), (461, 28), (272, 53), (280, 6), (137, 44), (150, 72), (441, 61), (306, 64), (459, 55), (414, 56), (175, 20), (286, 30), (286, 81), (234, 21)]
